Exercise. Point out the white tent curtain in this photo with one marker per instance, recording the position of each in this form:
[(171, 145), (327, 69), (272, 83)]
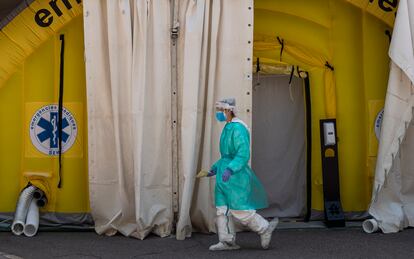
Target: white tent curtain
[(127, 51), (214, 62), (393, 192), (128, 72)]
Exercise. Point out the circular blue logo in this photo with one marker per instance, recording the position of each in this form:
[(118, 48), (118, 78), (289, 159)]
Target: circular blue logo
[(378, 123), (44, 130)]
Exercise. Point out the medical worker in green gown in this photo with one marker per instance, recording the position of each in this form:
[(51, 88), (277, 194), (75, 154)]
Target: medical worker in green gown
[(238, 192)]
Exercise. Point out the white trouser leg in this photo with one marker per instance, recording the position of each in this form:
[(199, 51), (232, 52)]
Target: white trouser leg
[(257, 224), (225, 225), (252, 220), (225, 231)]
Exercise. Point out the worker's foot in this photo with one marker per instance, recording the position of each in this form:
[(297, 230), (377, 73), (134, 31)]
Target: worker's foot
[(266, 237), (221, 246)]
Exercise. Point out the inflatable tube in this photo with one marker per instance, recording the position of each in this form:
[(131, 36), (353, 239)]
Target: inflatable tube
[(33, 26)]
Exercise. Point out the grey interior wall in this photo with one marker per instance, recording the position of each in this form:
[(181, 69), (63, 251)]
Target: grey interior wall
[(279, 144)]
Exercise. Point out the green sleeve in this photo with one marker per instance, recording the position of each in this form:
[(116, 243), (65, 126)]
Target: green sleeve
[(214, 166), (241, 142)]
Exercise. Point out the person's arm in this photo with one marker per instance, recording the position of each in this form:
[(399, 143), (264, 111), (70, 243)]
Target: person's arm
[(214, 167)]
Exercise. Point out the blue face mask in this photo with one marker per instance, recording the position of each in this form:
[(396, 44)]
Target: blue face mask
[(221, 116)]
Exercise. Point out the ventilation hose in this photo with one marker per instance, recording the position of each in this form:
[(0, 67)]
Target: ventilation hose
[(370, 226), (32, 221), (22, 208)]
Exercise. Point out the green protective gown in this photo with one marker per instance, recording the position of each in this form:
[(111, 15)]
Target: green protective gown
[(243, 191)]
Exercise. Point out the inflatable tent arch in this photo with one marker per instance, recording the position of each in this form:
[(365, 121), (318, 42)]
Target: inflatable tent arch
[(349, 34)]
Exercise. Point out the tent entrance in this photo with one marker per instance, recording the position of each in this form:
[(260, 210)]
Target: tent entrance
[(280, 147)]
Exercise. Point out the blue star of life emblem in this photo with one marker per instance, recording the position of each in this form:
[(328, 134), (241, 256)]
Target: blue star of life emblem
[(44, 130)]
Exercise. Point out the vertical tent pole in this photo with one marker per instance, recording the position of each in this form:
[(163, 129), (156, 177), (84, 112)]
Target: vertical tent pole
[(174, 105)]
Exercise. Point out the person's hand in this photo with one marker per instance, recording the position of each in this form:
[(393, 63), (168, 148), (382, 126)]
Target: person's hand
[(211, 173), (202, 173), (226, 175)]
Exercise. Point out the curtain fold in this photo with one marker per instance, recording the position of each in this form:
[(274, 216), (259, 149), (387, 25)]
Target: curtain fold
[(127, 54), (152, 117), (393, 196), (194, 63)]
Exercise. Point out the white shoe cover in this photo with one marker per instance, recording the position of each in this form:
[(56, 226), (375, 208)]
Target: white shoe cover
[(266, 237), (222, 246)]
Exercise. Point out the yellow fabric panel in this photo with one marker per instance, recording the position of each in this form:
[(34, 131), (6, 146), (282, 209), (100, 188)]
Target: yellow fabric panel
[(376, 69), (41, 180), (11, 140), (300, 55), (351, 118), (382, 9), (34, 85), (375, 57), (73, 197), (330, 93), (11, 57), (22, 36), (315, 11), (36, 78), (278, 24), (316, 78)]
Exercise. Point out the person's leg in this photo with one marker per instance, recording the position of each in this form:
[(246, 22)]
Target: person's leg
[(257, 224), (225, 231)]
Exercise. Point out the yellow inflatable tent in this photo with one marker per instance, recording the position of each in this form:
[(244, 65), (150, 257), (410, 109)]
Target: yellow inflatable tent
[(31, 43), (344, 47), (342, 44)]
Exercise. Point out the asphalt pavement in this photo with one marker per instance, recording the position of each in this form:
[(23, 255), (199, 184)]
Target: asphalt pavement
[(286, 243)]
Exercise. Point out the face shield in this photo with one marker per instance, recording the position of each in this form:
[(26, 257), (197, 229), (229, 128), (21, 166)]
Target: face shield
[(226, 104), (221, 106)]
